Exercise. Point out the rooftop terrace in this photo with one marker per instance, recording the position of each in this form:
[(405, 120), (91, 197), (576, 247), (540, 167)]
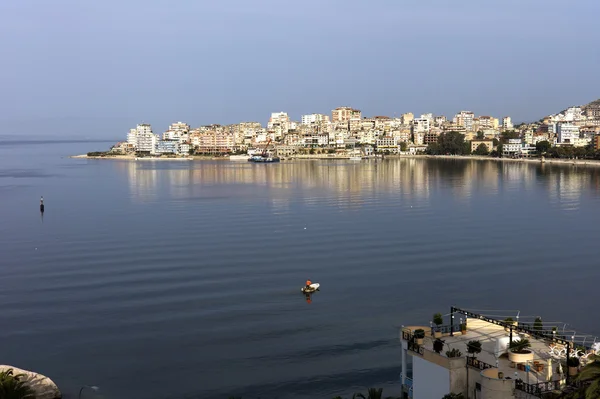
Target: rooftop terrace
[(540, 368)]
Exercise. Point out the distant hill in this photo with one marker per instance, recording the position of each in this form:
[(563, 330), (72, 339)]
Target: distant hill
[(593, 104)]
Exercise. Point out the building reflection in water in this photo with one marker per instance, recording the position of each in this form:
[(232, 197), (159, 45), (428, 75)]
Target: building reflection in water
[(349, 185)]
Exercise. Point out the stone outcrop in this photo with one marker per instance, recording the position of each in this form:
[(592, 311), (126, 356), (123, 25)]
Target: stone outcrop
[(43, 386)]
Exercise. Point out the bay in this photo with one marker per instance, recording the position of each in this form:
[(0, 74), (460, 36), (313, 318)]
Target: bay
[(182, 279)]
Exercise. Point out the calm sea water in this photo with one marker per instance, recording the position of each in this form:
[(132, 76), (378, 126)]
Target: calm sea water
[(181, 280)]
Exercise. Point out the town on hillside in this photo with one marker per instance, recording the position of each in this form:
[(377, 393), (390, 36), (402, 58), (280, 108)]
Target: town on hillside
[(573, 132)]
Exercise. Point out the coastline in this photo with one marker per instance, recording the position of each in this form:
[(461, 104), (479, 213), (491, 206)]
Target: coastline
[(553, 161)]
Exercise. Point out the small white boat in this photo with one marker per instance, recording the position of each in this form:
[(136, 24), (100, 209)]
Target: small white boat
[(356, 158), (311, 288)]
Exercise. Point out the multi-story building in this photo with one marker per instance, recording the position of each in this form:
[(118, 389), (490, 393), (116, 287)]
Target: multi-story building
[(441, 363), (387, 143), (429, 117), (314, 118), (596, 142), (488, 143), (567, 133), (213, 140), (465, 119), (484, 122), (142, 130), (512, 147), (280, 123), (507, 123), (421, 125), (344, 114), (407, 118), (440, 120), (167, 147), (177, 131), (430, 137), (142, 138)]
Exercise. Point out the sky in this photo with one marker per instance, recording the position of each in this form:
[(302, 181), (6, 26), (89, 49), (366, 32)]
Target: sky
[(96, 68)]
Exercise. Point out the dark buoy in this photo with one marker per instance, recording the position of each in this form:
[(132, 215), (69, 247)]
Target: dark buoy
[(42, 205)]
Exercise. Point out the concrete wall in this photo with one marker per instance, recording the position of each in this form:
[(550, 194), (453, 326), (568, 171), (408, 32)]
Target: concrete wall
[(429, 379), (494, 388)]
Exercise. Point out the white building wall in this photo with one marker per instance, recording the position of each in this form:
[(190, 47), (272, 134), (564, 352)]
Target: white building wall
[(429, 379)]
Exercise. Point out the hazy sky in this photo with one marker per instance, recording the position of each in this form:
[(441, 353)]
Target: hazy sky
[(95, 67)]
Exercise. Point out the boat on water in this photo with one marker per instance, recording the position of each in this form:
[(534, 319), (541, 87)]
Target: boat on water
[(263, 159), (355, 158), (243, 157), (311, 288)]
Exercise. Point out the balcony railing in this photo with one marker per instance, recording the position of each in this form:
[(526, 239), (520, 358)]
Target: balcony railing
[(478, 364), (539, 388), (407, 387)]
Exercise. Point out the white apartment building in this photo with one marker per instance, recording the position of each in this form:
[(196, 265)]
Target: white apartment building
[(567, 133), (314, 118), (421, 125), (573, 114), (439, 120), (278, 119), (142, 138), (177, 131), (512, 148), (464, 119), (428, 116), (507, 123)]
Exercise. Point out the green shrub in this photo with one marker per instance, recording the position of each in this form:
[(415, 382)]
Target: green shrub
[(12, 386)]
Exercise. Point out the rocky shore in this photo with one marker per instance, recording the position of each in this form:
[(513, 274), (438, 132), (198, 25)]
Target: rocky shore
[(43, 386)]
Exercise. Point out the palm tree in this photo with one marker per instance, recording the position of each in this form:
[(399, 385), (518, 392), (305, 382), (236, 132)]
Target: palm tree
[(590, 374), (589, 380), (12, 386)]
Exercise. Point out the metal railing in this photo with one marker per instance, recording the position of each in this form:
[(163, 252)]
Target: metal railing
[(478, 364), (407, 387)]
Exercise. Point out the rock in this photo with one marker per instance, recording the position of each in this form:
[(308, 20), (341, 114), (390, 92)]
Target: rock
[(43, 386)]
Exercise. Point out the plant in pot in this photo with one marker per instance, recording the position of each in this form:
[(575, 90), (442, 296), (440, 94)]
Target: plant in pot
[(454, 353), (519, 351), (438, 345), (573, 364), (419, 335), (463, 328), (438, 320), (474, 347)]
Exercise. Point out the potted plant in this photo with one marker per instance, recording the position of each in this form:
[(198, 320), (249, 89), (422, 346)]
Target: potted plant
[(438, 320), (463, 328), (500, 375), (519, 351), (573, 364), (454, 353), (474, 347), (419, 335), (438, 345)]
